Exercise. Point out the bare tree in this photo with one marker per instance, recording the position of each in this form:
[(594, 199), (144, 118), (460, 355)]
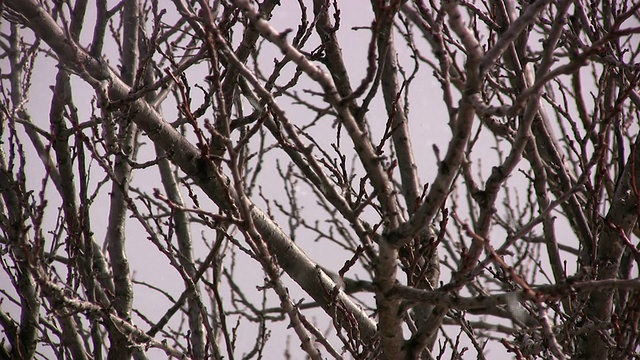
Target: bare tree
[(387, 179)]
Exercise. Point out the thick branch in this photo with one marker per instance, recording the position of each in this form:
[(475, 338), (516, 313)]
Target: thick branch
[(181, 152)]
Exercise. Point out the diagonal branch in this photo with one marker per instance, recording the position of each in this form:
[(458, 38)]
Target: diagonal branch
[(182, 153)]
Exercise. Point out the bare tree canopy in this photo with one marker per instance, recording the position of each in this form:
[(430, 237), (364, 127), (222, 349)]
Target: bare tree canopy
[(377, 179)]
